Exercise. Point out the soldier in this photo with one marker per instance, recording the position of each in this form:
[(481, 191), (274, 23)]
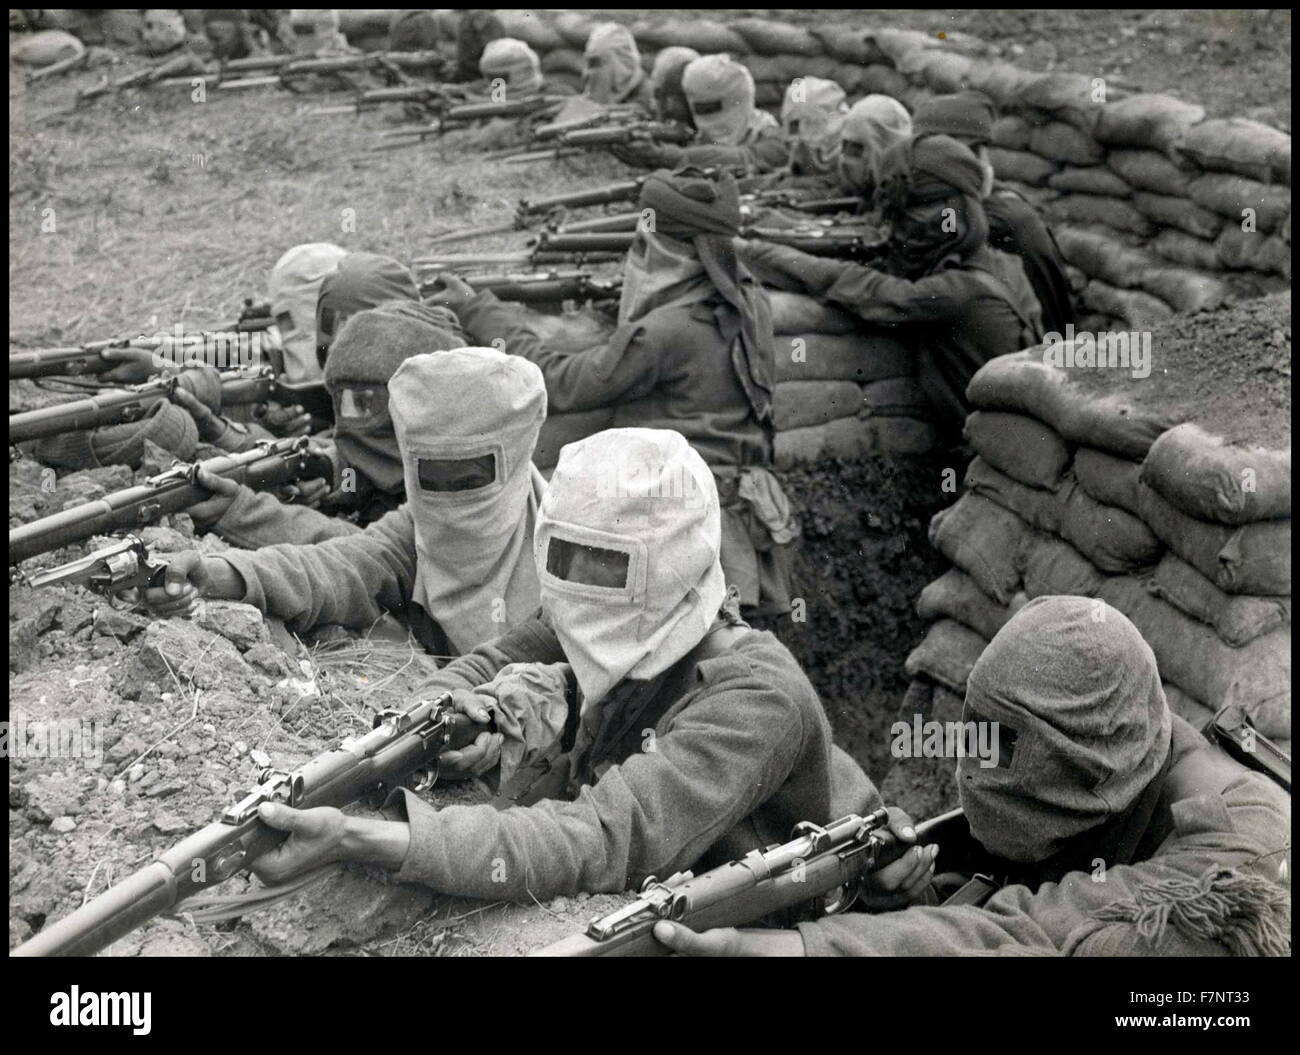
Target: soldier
[(1112, 827), (693, 737), (514, 63), (612, 73), (455, 561), (294, 288), (960, 302), (1014, 225), (732, 133), (812, 117), (693, 352), (475, 31), (670, 103), (872, 127), (360, 281), (366, 354)]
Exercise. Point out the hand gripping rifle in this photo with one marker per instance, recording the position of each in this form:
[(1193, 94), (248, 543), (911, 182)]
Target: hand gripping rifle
[(819, 866), (267, 464), (402, 749)]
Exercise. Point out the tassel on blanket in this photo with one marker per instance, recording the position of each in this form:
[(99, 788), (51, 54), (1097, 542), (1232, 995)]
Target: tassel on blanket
[(1245, 912)]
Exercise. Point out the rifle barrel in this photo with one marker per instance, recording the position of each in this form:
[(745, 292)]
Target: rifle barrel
[(78, 415)]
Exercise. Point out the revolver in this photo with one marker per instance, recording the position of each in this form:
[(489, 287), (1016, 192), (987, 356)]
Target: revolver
[(116, 572)]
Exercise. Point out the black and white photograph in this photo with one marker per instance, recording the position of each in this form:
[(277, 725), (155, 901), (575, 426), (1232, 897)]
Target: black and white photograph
[(553, 483)]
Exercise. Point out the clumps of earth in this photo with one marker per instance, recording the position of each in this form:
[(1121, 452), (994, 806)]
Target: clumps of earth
[(180, 716)]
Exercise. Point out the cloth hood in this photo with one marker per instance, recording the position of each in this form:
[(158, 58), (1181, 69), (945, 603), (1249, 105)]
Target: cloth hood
[(812, 115), (611, 64), (294, 288), (627, 548), (720, 92), (871, 127), (514, 62), (467, 421), (164, 31), (1083, 726), (361, 281), (366, 354), (932, 198), (687, 205), (666, 82)]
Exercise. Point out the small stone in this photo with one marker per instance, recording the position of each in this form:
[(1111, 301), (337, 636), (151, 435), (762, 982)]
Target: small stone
[(260, 757), (118, 787), (62, 825), (240, 624), (135, 772), (241, 748), (169, 823), (111, 622)]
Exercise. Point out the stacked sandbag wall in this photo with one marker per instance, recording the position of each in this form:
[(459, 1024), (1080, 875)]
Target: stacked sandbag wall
[(1072, 492), (1158, 207)]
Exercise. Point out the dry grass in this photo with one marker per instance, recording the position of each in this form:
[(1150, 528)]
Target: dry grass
[(176, 211)]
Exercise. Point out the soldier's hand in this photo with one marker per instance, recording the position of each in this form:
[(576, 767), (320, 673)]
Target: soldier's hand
[(210, 510), (191, 576), (211, 426), (305, 492), (484, 753), (315, 838), (728, 941), (452, 292), (280, 420), (134, 365), (904, 880)]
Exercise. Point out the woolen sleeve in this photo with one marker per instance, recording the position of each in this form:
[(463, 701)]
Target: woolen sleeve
[(887, 300), (256, 519), (351, 580), (655, 813), (619, 370)]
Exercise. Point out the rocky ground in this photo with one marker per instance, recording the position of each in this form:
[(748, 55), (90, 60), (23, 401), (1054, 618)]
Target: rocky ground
[(172, 212)]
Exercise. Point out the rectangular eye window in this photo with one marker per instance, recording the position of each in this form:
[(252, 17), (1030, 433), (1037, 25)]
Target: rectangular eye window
[(456, 474), (356, 402), (587, 565), (1007, 738), (714, 107), (852, 149), (595, 62), (794, 126), (284, 321)]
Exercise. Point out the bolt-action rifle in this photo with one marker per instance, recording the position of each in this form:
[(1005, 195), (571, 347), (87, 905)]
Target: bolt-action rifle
[(539, 287), (462, 114), (266, 465), (820, 867), (402, 749), (580, 140)]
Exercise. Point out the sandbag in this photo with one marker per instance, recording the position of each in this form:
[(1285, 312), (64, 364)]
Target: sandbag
[(896, 397), (1181, 213), (1185, 291), (1066, 96), (1252, 250), (1140, 310), (944, 71), (797, 313), (1113, 212), (1050, 567), (798, 404), (1039, 509), (848, 45), (774, 38), (879, 79), (1010, 133), (1250, 559), (1146, 120), (1077, 278), (1020, 446), (984, 540), (704, 35), (1237, 620), (946, 655), (857, 357), (954, 595), (784, 69), (1185, 249), (559, 429), (1109, 480), (1235, 144), (1206, 477), (575, 27), (1230, 196), (1059, 141), (1257, 676), (1104, 257), (1188, 709), (1021, 166), (1112, 540), (1150, 170), (1095, 179), (1000, 81), (897, 44), (853, 438), (539, 34), (1023, 383)]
